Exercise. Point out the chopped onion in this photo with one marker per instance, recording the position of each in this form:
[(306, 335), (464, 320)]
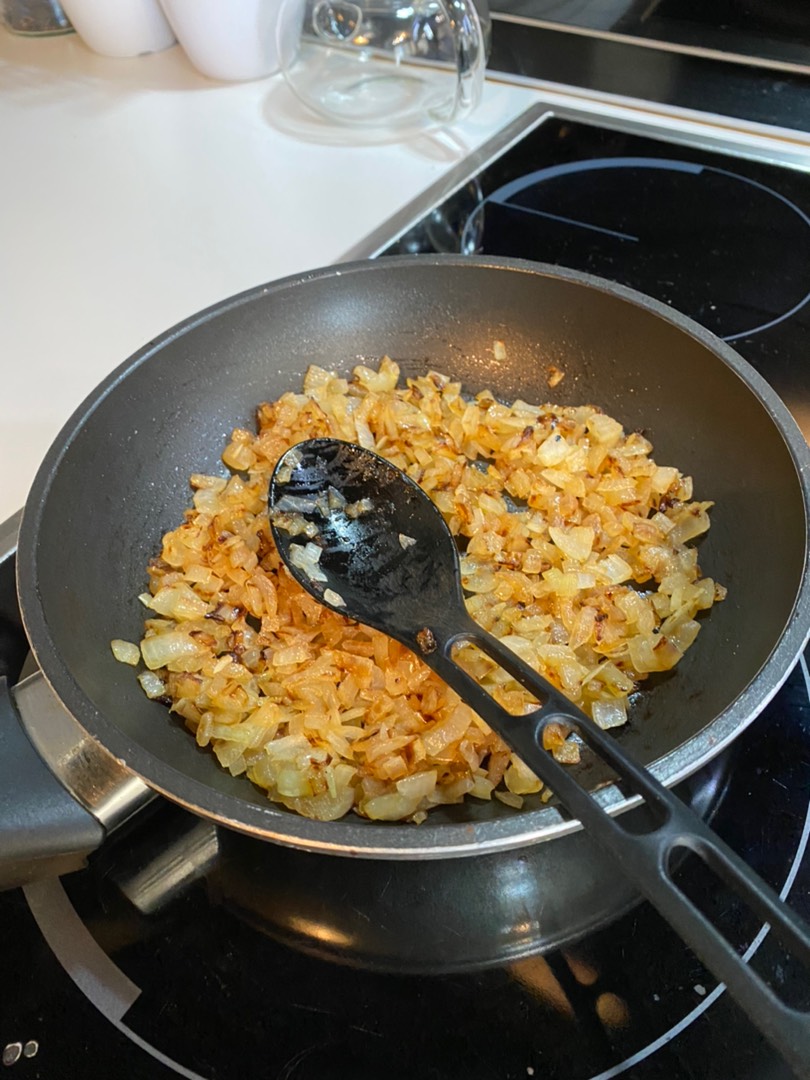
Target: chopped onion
[(608, 714), (294, 524), (161, 650), (506, 797), (576, 557), (151, 684), (179, 601), (554, 450), (555, 376), (306, 558), (357, 509), (335, 499), (575, 543), (302, 504), (292, 459), (125, 651)]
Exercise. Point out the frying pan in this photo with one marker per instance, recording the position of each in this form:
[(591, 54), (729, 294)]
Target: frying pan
[(117, 478)]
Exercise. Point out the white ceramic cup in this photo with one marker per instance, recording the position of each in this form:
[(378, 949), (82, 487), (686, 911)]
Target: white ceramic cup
[(120, 27), (227, 39)]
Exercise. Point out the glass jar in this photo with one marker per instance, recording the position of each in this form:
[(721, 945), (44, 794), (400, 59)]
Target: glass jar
[(382, 63)]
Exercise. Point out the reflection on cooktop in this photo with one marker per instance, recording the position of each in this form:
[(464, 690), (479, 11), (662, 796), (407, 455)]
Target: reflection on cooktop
[(764, 30), (789, 19)]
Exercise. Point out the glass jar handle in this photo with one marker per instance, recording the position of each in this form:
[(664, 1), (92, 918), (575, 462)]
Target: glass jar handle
[(336, 21), (471, 57)]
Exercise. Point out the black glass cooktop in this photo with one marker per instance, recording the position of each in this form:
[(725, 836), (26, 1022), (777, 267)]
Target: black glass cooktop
[(657, 52), (184, 951), (765, 31), (112, 972), (725, 240)]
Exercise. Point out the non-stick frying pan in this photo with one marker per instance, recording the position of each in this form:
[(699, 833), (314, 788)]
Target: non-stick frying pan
[(117, 478)]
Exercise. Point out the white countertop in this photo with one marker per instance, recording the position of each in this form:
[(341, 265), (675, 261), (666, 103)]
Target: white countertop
[(135, 192)]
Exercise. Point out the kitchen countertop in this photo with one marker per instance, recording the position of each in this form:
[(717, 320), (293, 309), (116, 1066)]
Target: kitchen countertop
[(135, 192)]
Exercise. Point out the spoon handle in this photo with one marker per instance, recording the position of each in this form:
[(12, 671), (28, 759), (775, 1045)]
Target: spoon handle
[(645, 857)]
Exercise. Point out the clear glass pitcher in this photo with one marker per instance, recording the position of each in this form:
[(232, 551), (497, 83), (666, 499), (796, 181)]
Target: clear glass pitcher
[(388, 63)]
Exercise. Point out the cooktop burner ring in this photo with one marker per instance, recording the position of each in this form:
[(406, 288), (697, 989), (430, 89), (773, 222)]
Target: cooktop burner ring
[(114, 993), (550, 202)]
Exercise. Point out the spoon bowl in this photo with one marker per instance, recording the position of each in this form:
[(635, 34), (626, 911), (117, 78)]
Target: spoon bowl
[(387, 557)]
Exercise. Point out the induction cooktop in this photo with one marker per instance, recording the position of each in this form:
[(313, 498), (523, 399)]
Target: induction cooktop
[(181, 951)]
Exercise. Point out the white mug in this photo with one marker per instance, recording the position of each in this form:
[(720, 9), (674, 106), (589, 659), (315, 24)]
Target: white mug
[(122, 28), (227, 39)]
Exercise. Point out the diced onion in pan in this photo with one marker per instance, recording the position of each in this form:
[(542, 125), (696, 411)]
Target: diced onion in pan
[(126, 652), (575, 555)]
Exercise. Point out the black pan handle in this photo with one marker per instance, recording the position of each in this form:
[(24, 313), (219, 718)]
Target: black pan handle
[(60, 792), (43, 830), (645, 857)]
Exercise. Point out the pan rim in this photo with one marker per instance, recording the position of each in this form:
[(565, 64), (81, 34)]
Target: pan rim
[(383, 840)]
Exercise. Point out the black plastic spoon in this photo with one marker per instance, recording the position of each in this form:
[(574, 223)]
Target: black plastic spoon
[(380, 552)]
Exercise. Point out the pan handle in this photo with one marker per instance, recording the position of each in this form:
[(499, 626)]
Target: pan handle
[(53, 815), (646, 857)]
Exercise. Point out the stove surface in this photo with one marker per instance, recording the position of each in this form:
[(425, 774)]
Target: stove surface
[(775, 33), (150, 963), (103, 977)]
